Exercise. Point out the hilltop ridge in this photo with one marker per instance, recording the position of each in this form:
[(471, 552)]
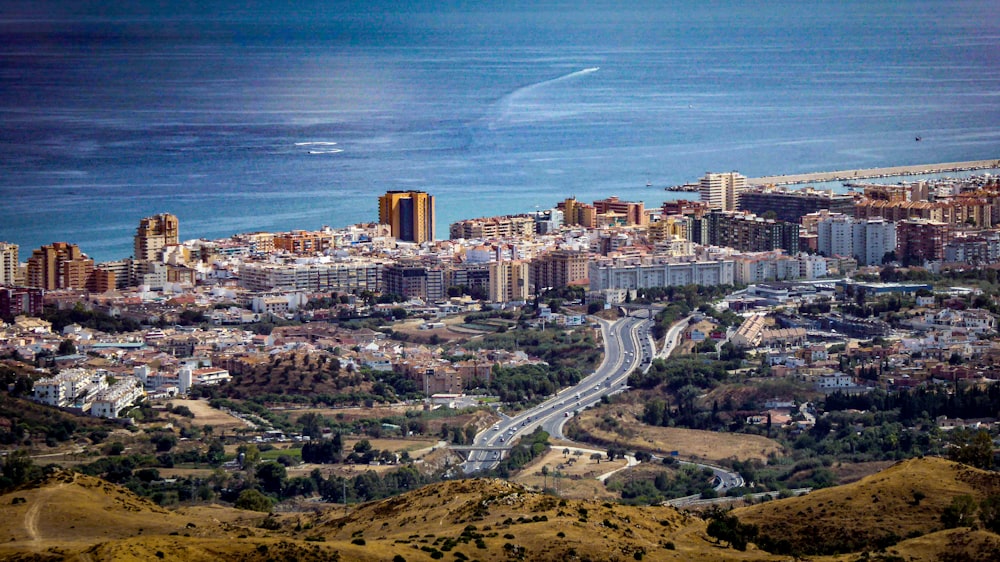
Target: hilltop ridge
[(71, 516)]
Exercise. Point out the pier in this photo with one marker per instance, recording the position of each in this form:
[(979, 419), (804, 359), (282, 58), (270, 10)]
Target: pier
[(869, 173)]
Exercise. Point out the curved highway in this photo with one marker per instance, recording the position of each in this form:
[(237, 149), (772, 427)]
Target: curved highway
[(627, 345)]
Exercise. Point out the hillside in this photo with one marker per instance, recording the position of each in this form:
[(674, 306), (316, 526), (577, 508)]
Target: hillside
[(70, 516), (905, 500)]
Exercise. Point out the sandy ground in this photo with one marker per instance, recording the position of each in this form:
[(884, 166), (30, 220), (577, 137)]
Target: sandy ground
[(689, 443), (577, 474), (207, 415)]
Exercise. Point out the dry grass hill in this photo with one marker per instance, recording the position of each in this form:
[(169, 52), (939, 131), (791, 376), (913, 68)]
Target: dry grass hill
[(905, 500), (75, 517)]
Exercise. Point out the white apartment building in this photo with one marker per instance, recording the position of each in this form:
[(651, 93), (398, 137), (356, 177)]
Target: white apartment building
[(868, 240), (641, 274), (74, 388), (333, 276), (722, 191), (8, 263), (110, 401)]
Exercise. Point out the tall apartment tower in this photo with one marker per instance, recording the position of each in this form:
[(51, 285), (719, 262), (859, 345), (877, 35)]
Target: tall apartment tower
[(59, 265), (410, 214), (722, 191), (8, 263), (155, 233), (509, 281)]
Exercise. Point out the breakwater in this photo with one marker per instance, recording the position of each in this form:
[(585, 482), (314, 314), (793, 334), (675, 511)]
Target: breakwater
[(869, 173)]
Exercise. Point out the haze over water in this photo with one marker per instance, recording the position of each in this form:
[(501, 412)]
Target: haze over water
[(260, 116)]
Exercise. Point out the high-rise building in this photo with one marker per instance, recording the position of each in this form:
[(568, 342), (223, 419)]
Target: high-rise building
[(868, 240), (410, 214), (153, 234), (59, 265), (414, 280), (791, 204), (746, 232), (920, 240), (8, 263), (558, 268), (509, 281), (722, 191)]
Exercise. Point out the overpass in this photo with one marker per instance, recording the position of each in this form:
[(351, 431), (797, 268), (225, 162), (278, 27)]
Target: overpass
[(465, 451)]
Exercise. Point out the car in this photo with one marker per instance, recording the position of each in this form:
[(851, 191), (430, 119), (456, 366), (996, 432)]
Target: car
[(501, 439), (565, 414)]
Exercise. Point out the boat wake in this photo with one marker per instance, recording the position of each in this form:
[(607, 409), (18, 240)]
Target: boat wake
[(517, 106), (315, 143), (334, 151)]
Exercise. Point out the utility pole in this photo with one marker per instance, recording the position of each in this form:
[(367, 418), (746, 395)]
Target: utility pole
[(345, 496)]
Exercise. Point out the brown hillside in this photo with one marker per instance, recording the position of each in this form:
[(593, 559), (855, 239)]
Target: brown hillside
[(512, 523), (74, 517), (878, 508)]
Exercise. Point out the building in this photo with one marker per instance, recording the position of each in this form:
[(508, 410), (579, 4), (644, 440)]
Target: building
[(74, 388), (410, 215), (8, 264), (745, 232), (414, 280), (59, 265), (110, 402), (302, 242), (474, 278), (124, 272), (155, 233), (576, 213), (920, 240), (976, 249), (722, 191), (750, 332), (868, 240), (558, 268), (342, 277), (684, 207), (607, 273), (509, 281), (493, 227), (634, 214), (17, 301), (791, 205)]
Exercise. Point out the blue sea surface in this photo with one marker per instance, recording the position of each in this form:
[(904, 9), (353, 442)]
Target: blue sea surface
[(265, 115)]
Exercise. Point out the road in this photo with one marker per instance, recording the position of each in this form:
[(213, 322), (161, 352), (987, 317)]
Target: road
[(627, 345)]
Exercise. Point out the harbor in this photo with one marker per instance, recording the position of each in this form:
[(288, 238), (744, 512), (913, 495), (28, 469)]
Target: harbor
[(870, 173)]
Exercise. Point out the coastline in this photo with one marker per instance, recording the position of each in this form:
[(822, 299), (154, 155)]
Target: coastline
[(869, 173)]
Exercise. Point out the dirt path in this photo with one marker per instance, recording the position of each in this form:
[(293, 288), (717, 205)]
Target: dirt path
[(31, 516)]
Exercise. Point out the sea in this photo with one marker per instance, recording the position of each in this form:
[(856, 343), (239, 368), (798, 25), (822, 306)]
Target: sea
[(265, 115)]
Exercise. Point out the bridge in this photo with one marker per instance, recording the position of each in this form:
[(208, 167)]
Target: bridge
[(465, 450), (651, 309)]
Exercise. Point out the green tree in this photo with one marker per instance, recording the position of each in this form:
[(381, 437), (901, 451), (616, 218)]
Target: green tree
[(251, 456), (989, 513), (973, 449), (67, 347), (253, 500), (18, 468), (960, 513), (272, 477)]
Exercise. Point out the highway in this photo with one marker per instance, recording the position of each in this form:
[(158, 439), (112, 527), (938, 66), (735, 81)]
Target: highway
[(627, 345)]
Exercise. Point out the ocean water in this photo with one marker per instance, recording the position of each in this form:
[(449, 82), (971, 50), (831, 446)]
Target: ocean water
[(244, 116)]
